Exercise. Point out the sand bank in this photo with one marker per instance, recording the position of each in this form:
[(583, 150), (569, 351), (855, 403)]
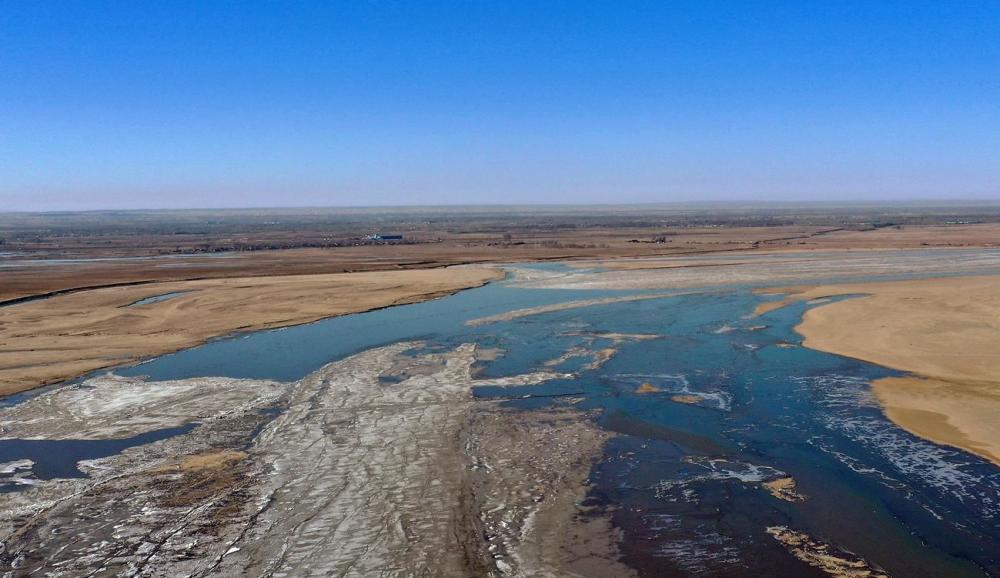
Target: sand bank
[(945, 332), (529, 311), (54, 339)]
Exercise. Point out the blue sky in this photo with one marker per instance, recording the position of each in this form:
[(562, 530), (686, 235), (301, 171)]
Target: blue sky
[(216, 104)]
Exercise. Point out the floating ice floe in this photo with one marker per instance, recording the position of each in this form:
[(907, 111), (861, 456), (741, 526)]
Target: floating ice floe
[(11, 467), (776, 482)]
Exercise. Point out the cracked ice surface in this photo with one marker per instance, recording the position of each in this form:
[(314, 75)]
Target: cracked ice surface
[(355, 477)]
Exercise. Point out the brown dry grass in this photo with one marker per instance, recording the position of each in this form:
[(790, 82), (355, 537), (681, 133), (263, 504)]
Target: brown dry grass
[(611, 244), (211, 460), (54, 339)]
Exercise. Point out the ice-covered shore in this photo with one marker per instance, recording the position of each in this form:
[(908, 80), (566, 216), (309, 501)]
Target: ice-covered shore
[(355, 475)]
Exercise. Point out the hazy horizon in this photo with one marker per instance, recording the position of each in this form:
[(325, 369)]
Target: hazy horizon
[(187, 105), (555, 208)]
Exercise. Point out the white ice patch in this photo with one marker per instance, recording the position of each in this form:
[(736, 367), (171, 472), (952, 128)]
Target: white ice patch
[(951, 472), (11, 467), (678, 384), (18, 470), (696, 550), (712, 469)]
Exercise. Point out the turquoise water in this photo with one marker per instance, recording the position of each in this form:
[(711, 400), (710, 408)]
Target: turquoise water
[(684, 479), (293, 352)]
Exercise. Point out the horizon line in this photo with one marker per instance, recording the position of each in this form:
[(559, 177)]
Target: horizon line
[(920, 201)]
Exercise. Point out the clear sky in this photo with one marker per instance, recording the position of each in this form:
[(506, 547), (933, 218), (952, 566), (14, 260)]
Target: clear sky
[(215, 104)]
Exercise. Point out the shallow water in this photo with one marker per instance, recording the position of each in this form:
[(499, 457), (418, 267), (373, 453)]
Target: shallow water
[(685, 478), (291, 353), (60, 458)]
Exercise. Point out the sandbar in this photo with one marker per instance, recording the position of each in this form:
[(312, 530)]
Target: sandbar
[(943, 332)]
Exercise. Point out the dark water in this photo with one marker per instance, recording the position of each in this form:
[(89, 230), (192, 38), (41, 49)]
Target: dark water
[(684, 480), (59, 458)]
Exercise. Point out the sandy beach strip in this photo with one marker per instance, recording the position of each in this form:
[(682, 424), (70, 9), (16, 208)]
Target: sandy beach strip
[(944, 332), (54, 339)]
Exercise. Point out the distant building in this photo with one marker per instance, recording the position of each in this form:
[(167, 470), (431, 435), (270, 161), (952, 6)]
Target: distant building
[(378, 237)]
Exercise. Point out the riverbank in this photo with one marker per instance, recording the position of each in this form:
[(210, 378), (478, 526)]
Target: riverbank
[(944, 332), (50, 340)]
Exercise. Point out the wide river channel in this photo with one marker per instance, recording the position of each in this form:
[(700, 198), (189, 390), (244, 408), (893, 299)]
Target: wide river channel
[(683, 478)]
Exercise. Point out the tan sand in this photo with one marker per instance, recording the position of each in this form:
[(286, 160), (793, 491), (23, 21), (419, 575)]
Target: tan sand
[(961, 414), (945, 331), (54, 339), (827, 557), (784, 489), (768, 306)]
